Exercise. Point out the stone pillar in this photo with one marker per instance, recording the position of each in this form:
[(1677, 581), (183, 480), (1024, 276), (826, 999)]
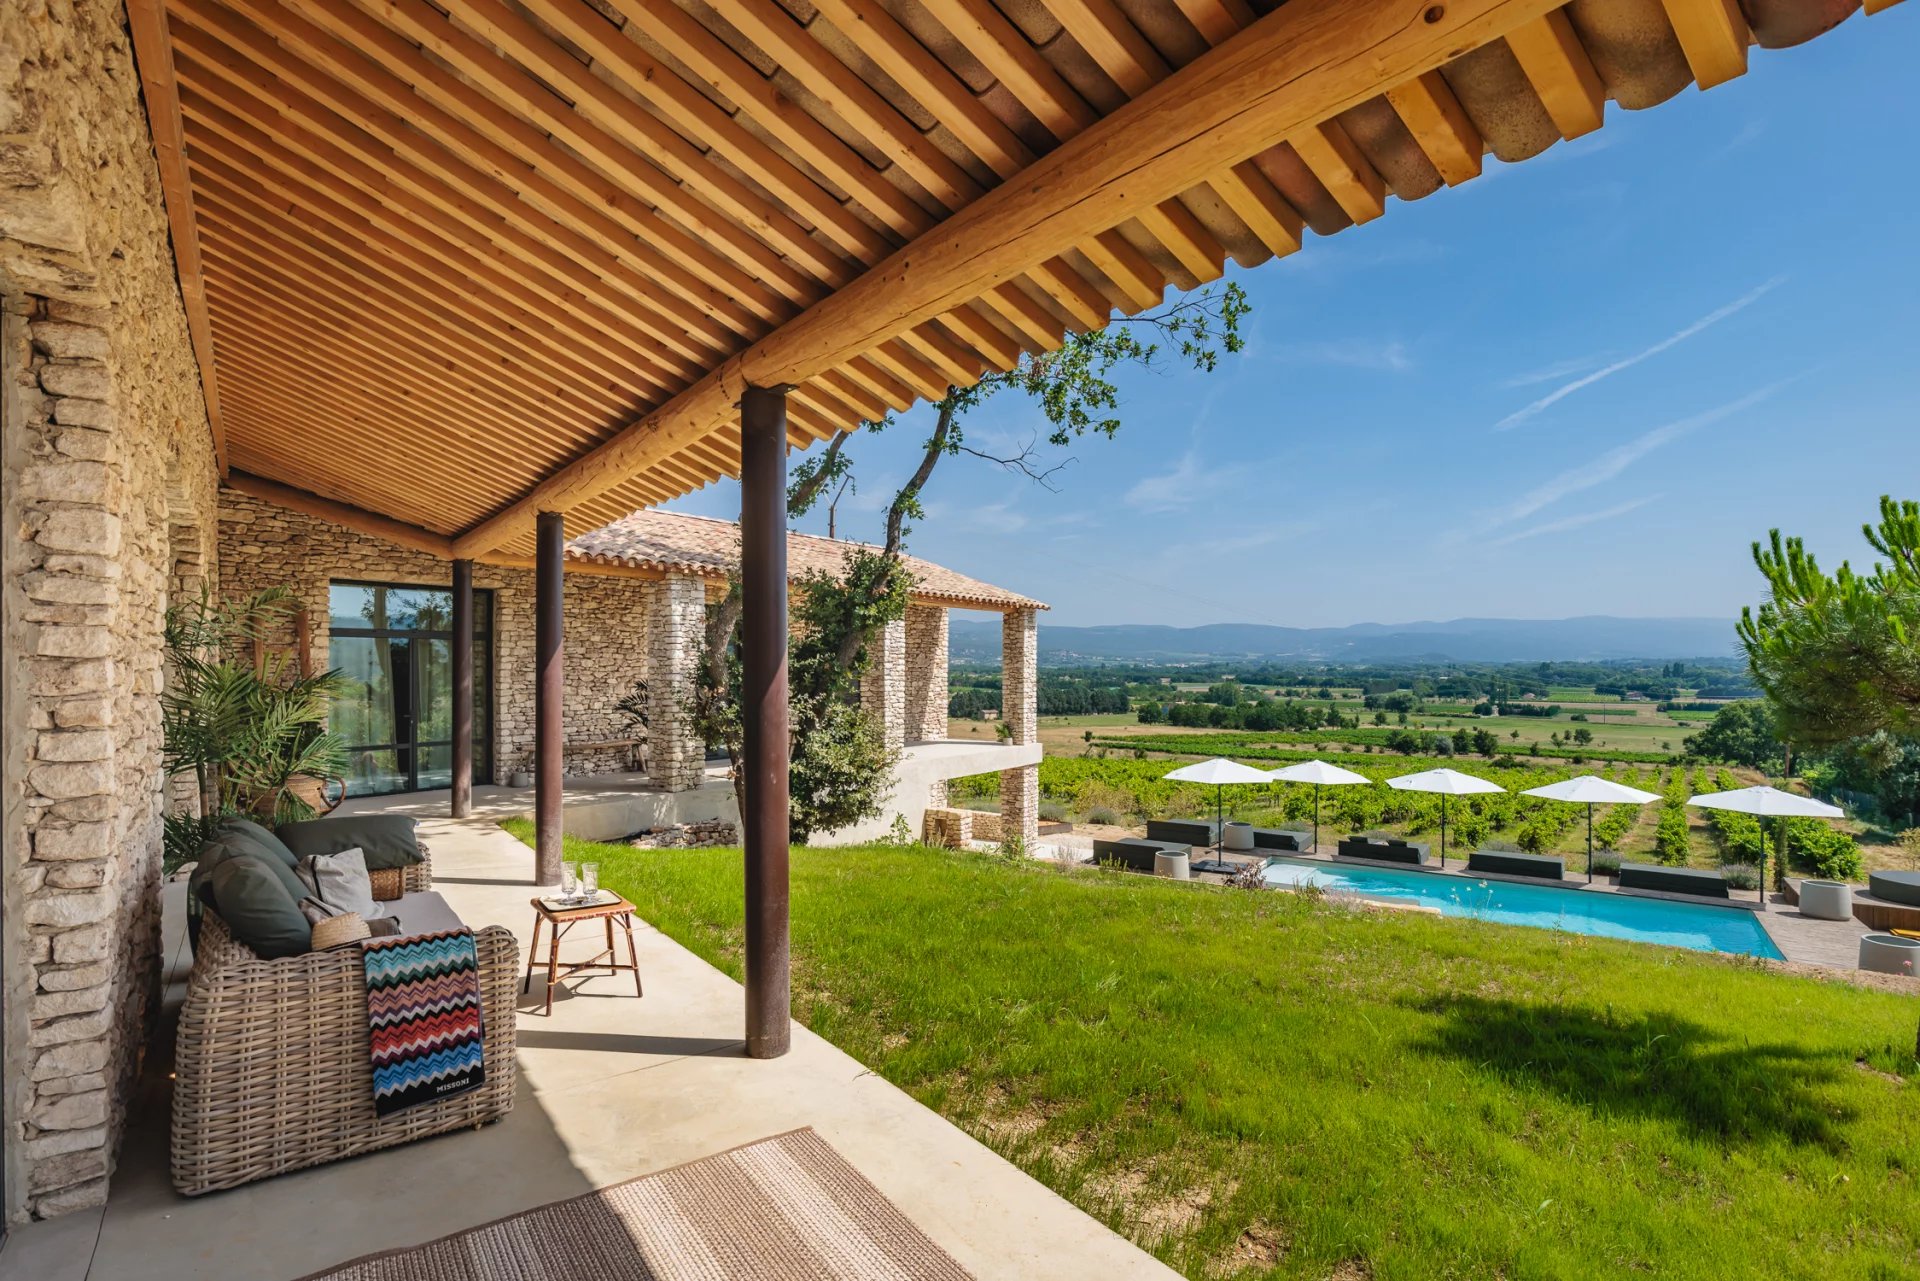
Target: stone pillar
[(883, 688), (926, 673), (676, 635), (1019, 704)]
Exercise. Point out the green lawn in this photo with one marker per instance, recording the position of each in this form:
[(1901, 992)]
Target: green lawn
[(1262, 1085)]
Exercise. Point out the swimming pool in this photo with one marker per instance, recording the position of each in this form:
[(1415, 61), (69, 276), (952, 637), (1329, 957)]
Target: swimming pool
[(1617, 916)]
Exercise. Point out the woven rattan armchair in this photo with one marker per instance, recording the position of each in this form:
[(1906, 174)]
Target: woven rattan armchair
[(272, 1069)]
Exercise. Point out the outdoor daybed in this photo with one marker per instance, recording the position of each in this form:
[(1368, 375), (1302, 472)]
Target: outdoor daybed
[(1673, 880), (1514, 863), (273, 1070), (1267, 838), (1895, 887), (1183, 831), (1134, 853), (1382, 850)]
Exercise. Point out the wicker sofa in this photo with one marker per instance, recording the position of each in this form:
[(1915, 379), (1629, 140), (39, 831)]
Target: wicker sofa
[(272, 1070)]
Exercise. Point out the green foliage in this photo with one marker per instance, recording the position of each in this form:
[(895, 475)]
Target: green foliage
[(1741, 734), (1838, 655), (247, 733)]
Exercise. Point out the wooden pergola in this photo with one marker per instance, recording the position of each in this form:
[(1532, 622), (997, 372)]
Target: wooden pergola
[(476, 275)]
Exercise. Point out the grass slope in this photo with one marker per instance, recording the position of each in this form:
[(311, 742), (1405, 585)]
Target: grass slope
[(1260, 1085)]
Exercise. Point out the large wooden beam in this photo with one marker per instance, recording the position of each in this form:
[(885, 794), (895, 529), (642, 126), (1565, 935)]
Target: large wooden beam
[(153, 56), (1304, 62), (358, 519)]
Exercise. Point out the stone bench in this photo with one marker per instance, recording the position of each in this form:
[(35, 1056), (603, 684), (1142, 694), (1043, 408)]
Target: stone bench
[(1673, 880), (1514, 863), (1135, 853), (1383, 851)]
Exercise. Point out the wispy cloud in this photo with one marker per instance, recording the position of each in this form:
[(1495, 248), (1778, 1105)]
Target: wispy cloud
[(1548, 373), (1584, 519), (1672, 340), (1171, 490), (1355, 353), (1606, 466)]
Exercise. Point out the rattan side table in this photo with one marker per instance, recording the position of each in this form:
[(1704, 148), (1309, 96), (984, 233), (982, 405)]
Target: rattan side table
[(558, 920)]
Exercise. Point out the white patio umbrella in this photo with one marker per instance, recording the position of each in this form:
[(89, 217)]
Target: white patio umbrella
[(1217, 773), (1446, 782), (1591, 790), (1320, 774), (1765, 803)]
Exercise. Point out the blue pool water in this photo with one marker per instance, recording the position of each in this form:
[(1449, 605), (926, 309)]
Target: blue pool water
[(1617, 916)]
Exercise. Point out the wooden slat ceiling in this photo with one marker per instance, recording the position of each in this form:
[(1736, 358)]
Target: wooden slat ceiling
[(458, 261)]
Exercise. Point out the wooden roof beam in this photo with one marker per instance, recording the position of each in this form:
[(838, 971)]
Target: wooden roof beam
[(1256, 202), (153, 57), (1714, 36), (345, 515), (1437, 121), (1343, 169), (1556, 64), (1222, 108)]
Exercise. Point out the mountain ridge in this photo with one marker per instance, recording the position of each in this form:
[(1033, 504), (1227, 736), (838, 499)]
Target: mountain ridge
[(1589, 638)]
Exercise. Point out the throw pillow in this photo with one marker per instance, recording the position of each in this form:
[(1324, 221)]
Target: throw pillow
[(386, 840), (340, 881), (257, 908)]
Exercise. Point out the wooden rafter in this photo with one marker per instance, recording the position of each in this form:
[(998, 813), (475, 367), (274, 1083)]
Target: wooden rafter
[(1219, 110), (153, 55)]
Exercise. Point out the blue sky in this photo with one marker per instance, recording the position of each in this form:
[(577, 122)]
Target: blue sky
[(1582, 384)]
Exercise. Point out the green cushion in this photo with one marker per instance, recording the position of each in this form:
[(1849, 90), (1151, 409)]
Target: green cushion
[(387, 840), (260, 836), (230, 840), (257, 908)]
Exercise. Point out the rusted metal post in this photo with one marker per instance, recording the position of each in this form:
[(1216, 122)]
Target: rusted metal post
[(462, 784), (550, 673), (763, 713)]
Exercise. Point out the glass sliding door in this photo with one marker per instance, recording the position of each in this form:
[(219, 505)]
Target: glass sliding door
[(394, 643)]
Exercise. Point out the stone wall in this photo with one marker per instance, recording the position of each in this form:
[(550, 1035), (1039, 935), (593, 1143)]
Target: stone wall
[(883, 686), (607, 620), (108, 513)]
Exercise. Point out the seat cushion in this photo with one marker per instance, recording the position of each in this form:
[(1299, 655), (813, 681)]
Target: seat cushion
[(424, 912), (258, 909), (385, 840)]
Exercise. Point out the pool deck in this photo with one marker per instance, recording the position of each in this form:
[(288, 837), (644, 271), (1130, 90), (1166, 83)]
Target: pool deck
[(1802, 940)]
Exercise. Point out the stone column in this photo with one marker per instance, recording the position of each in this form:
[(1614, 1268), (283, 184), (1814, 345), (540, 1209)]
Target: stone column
[(927, 683), (883, 688), (1019, 703), (676, 633)]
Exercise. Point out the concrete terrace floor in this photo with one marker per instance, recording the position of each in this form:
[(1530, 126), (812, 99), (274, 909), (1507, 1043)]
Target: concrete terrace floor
[(611, 1087)]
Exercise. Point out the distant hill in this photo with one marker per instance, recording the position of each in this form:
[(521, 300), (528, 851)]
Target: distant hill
[(1465, 640)]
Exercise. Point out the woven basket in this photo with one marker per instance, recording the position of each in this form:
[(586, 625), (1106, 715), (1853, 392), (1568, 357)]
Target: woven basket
[(337, 931)]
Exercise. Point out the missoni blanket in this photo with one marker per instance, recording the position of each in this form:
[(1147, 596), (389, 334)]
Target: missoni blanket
[(424, 1018)]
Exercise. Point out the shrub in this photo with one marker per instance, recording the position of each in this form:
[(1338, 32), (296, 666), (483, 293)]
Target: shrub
[(1607, 862), (1103, 815), (1052, 812), (1670, 843), (1500, 847), (1740, 876), (1827, 852)]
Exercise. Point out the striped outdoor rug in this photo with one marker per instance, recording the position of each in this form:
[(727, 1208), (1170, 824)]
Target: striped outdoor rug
[(781, 1208)]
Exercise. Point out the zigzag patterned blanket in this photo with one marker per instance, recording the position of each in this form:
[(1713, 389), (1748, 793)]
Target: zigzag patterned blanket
[(424, 1018)]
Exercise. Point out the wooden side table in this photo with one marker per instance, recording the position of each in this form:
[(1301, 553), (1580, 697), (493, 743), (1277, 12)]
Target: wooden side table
[(558, 921)]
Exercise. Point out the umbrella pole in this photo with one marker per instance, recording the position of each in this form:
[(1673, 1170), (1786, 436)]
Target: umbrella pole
[(1589, 842), (1316, 818), (1763, 865), (1443, 831)]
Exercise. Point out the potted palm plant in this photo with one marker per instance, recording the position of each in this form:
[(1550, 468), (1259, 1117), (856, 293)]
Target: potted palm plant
[(247, 723)]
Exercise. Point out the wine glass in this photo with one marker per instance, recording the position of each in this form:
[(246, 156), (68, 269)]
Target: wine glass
[(589, 881), (569, 881)]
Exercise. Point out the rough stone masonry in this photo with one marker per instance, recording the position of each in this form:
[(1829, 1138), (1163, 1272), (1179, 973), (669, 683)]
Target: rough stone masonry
[(108, 517)]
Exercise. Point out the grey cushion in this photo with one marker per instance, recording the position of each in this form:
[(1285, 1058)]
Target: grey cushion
[(257, 908), (423, 912), (340, 881), (385, 840), (260, 836)]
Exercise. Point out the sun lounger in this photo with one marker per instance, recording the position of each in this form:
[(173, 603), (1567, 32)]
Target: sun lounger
[(1673, 880), (1183, 831), (1134, 853), (1382, 851), (1513, 863), (1281, 839)]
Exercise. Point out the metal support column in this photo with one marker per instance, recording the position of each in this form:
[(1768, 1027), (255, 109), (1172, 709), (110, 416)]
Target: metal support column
[(550, 674), (763, 714), (462, 785)]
